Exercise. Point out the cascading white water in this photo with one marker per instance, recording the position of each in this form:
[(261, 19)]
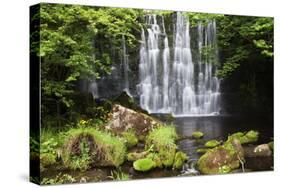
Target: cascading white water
[(178, 85), (125, 65)]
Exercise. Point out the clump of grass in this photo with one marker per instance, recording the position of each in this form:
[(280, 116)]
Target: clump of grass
[(130, 138), (163, 141), (86, 147), (119, 175)]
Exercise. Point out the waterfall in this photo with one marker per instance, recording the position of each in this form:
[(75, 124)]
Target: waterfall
[(125, 65), (176, 83)]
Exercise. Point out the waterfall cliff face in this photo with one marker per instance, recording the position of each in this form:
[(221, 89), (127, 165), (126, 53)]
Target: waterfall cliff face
[(170, 79)]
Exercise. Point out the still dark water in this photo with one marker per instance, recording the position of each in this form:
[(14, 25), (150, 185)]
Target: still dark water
[(219, 127), (213, 127)]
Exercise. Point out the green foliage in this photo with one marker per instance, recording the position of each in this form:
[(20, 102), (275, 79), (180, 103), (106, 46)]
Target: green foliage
[(194, 18), (130, 138), (119, 175), (197, 134), (59, 179), (99, 112), (143, 165), (76, 43), (243, 40), (83, 161)]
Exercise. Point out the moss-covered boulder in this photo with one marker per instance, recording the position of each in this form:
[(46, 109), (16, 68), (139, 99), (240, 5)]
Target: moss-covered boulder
[(222, 159), (87, 147), (179, 160), (245, 138), (212, 143), (143, 165), (197, 134), (162, 140), (123, 119)]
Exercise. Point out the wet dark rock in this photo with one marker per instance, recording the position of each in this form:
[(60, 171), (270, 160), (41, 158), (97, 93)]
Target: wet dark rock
[(262, 150)]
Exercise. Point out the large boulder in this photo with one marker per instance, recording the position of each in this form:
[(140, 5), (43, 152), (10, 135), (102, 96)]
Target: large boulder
[(123, 119), (222, 159)]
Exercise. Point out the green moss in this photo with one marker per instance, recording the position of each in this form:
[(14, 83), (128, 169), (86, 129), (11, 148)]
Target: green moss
[(197, 134), (163, 141), (212, 143), (179, 160), (202, 150), (87, 146), (271, 145), (156, 158), (143, 165), (245, 138), (130, 138)]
